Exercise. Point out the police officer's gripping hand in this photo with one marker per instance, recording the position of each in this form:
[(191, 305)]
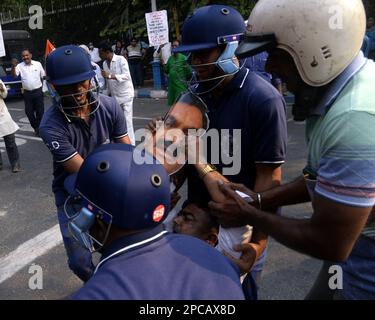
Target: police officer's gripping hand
[(247, 259), (235, 211)]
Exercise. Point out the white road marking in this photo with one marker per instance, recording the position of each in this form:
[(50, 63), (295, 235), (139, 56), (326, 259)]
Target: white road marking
[(19, 142), (3, 213), (140, 118), (24, 125), (15, 109), (24, 120), (28, 137), (27, 252)]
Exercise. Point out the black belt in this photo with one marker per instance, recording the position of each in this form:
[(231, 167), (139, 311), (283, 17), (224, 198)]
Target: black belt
[(31, 91)]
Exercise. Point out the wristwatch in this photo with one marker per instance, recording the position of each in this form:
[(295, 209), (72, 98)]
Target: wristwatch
[(207, 169)]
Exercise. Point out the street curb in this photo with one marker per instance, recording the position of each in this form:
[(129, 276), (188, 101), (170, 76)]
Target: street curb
[(163, 94), (151, 94)]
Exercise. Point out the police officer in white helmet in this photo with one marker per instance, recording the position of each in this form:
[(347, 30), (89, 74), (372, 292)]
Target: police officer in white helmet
[(315, 47)]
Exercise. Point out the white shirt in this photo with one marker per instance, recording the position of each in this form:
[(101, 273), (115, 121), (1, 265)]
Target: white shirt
[(7, 125), (31, 74), (94, 54), (122, 87), (99, 77), (232, 236), (166, 52), (135, 52)]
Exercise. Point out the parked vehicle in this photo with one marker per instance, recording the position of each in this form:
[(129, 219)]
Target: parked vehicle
[(15, 41)]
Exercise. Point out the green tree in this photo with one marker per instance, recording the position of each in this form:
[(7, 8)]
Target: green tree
[(130, 14)]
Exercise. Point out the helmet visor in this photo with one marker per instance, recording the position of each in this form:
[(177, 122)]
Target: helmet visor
[(254, 44), (71, 104), (82, 215)]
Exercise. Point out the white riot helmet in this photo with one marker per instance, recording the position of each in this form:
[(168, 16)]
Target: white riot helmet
[(322, 36)]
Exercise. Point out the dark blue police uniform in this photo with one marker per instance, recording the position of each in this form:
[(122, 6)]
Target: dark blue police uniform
[(253, 105), (157, 265), (257, 64), (68, 137)]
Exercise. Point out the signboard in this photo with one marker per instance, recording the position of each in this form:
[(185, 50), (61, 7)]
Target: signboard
[(2, 47), (157, 28)]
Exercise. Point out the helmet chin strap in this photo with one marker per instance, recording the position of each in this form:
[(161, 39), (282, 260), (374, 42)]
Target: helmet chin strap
[(216, 81), (306, 98), (225, 64), (193, 82), (214, 86)]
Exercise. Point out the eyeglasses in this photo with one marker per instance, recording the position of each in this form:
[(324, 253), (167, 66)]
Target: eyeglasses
[(192, 99)]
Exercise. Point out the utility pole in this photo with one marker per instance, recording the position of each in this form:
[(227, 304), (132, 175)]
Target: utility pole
[(153, 5), (175, 21)]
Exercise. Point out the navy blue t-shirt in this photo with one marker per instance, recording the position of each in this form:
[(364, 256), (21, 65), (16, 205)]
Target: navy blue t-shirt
[(162, 266), (254, 106), (66, 139)]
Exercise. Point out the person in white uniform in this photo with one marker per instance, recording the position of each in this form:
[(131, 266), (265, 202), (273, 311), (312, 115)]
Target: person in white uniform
[(94, 53), (119, 83), (7, 131), (98, 74)]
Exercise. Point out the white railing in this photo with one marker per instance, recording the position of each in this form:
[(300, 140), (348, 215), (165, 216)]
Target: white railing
[(22, 14)]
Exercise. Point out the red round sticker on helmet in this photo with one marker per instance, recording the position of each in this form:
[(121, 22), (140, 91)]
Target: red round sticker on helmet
[(158, 213)]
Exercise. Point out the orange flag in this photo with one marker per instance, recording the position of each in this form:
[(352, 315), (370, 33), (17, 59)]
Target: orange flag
[(49, 48)]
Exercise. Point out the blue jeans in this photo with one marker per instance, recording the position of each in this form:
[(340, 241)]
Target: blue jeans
[(257, 269), (358, 275), (359, 271), (250, 288), (251, 283), (79, 258)]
